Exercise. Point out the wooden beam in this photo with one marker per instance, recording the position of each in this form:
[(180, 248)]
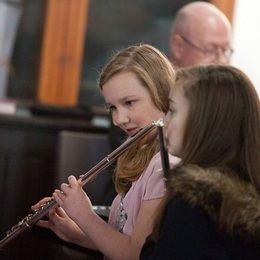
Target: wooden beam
[(226, 6), (62, 51)]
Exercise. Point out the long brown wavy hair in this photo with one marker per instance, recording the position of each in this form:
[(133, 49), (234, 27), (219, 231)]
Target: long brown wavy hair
[(223, 125), (157, 75)]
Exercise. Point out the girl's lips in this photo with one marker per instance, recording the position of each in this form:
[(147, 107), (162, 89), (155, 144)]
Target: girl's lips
[(131, 131)]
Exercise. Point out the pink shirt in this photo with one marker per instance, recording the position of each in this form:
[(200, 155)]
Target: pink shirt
[(150, 185)]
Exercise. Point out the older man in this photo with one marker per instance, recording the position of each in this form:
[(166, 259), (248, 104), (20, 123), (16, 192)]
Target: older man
[(200, 34)]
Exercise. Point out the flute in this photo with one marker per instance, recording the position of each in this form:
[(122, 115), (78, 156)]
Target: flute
[(32, 218), (164, 155)]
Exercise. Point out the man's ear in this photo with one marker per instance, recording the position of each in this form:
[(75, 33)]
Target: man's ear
[(176, 44)]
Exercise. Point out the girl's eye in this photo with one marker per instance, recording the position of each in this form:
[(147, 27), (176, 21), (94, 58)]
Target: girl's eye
[(110, 108), (129, 102)]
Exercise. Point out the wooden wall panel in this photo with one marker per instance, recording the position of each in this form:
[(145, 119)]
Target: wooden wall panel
[(62, 51), (226, 6)]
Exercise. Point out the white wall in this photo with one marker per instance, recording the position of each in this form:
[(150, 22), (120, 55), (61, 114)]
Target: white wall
[(246, 25)]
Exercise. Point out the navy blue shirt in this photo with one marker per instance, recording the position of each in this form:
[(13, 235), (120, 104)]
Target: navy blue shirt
[(189, 234)]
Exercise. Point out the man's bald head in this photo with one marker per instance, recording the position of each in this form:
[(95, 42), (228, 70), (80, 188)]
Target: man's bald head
[(198, 27)]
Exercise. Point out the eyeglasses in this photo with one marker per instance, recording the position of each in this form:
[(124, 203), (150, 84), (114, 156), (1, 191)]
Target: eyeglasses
[(212, 51)]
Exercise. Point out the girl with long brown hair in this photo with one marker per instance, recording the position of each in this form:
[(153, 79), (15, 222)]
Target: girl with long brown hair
[(212, 206)]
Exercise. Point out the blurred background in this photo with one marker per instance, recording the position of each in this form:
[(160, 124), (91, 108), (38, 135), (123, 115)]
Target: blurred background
[(43, 43)]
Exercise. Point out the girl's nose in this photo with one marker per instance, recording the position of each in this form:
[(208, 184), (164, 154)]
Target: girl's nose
[(120, 117)]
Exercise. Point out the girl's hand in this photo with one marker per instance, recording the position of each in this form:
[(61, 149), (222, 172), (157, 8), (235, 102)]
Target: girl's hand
[(72, 198)]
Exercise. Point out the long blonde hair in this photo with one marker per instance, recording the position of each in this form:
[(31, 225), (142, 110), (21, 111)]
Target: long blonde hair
[(157, 75)]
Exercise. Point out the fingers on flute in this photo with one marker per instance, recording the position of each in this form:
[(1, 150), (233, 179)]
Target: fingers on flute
[(44, 223), (60, 212), (65, 187), (73, 181), (59, 196), (40, 203)]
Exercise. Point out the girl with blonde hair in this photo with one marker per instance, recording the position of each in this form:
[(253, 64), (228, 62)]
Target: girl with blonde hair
[(135, 84)]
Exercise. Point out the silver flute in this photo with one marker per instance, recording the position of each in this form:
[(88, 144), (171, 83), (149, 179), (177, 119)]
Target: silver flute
[(32, 218)]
